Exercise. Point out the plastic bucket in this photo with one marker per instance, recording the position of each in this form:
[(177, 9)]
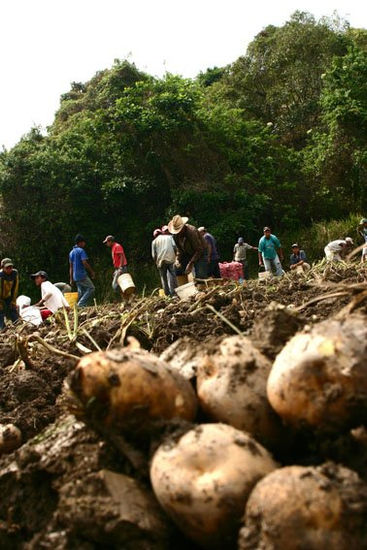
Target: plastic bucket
[(126, 284), (71, 298), (182, 280), (185, 291)]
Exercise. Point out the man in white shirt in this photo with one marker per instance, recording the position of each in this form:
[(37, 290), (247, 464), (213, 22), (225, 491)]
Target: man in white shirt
[(52, 298), (337, 250), (164, 255)]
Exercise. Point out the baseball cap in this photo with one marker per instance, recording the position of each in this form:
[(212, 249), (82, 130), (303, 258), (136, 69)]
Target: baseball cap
[(349, 240), (240, 240), (79, 238), (109, 238), (266, 229), (6, 262), (39, 274), (295, 245), (202, 228)]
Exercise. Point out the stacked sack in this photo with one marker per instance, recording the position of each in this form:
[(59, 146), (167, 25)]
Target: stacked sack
[(231, 270)]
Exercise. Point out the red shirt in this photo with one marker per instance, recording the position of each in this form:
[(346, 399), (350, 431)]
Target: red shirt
[(118, 255)]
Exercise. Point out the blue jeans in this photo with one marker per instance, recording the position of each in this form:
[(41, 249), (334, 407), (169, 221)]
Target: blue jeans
[(85, 291), (201, 268), (9, 311), (273, 265), (167, 273)]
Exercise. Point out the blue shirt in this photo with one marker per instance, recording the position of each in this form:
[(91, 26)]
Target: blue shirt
[(210, 239), (296, 258), (268, 247), (76, 257)]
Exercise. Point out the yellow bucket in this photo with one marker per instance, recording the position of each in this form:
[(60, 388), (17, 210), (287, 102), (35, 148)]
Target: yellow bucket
[(126, 284), (71, 298), (161, 293)]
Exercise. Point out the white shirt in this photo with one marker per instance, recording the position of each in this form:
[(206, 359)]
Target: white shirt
[(163, 250), (336, 246), (54, 297)]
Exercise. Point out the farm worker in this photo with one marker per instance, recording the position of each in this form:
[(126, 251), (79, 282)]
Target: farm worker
[(52, 298), (337, 250), (118, 259), (164, 256), (9, 285), (362, 230), (191, 247), (240, 254), (78, 268), (213, 255), (298, 259), (269, 246)]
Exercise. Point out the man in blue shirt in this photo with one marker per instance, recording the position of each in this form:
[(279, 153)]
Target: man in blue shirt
[(78, 267), (269, 245), (213, 256), (298, 259)]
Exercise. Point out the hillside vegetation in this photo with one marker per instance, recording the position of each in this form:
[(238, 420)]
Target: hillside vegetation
[(279, 137)]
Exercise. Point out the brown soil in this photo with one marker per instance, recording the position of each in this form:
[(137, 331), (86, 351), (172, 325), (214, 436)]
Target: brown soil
[(59, 489)]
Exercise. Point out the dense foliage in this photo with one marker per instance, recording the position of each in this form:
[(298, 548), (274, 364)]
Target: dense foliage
[(277, 138)]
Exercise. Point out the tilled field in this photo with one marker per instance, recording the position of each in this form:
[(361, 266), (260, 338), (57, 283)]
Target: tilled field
[(101, 467)]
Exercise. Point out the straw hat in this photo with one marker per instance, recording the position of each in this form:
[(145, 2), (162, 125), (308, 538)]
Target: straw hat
[(177, 223)]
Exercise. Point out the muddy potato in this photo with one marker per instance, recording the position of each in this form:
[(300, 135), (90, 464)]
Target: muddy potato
[(319, 379), (129, 388), (203, 481), (306, 508), (231, 386), (10, 438)]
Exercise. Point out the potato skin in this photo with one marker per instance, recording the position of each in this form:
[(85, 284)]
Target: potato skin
[(231, 386), (131, 388), (203, 481), (306, 508), (319, 379)]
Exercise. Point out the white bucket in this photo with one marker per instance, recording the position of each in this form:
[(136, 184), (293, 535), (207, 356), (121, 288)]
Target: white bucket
[(185, 291), (126, 284)]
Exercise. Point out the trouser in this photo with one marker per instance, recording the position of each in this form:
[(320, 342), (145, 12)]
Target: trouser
[(245, 269), (364, 254), (213, 269), (168, 278), (332, 256), (45, 313), (85, 291), (273, 265), (9, 311), (116, 274), (302, 268)]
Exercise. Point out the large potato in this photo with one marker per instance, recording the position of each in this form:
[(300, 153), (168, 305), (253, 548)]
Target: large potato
[(203, 481), (127, 389), (306, 508), (319, 379), (231, 386)]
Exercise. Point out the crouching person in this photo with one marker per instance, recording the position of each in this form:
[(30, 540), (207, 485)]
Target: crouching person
[(298, 259), (52, 298)]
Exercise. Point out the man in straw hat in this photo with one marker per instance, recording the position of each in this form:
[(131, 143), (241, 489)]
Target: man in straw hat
[(192, 252)]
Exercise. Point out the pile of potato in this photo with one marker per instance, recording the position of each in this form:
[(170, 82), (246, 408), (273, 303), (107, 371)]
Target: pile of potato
[(218, 481)]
